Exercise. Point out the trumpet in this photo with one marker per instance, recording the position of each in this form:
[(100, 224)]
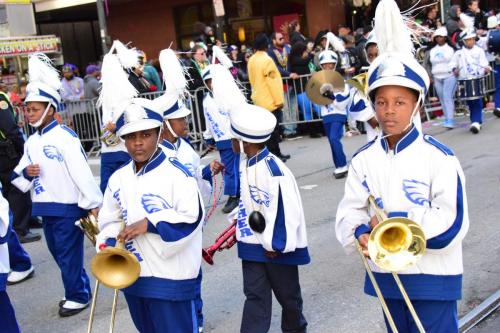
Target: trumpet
[(395, 244), (109, 138), (224, 241)]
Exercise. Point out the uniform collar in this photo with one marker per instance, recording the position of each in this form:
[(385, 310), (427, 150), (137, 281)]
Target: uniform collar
[(49, 126), (155, 161), (258, 157), (404, 142), (167, 144)]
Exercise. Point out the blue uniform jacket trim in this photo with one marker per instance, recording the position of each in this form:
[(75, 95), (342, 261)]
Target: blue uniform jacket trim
[(57, 209), (154, 163), (279, 232), (258, 157), (70, 131), (117, 156), (178, 164), (273, 167), (172, 232), (166, 289), (206, 174), (256, 253), (169, 145), (408, 139), (418, 286), (438, 145), (364, 147), (25, 175), (330, 118), (358, 107), (362, 229), (223, 144), (5, 238), (442, 240), (48, 127), (397, 214), (3, 281)]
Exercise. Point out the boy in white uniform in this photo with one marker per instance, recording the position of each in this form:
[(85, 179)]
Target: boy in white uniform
[(412, 175), (54, 167)]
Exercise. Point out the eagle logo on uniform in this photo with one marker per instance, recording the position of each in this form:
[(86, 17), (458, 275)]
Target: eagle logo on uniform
[(259, 196), (53, 153), (416, 191), (153, 203)]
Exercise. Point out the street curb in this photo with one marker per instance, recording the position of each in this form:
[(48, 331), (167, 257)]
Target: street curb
[(476, 315)]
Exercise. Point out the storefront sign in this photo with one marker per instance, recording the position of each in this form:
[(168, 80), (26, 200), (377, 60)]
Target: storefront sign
[(219, 8), (12, 47)]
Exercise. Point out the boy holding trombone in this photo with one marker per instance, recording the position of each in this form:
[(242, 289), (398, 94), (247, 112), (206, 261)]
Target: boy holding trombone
[(409, 175)]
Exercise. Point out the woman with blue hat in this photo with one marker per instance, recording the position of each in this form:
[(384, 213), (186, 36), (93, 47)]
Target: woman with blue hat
[(411, 175)]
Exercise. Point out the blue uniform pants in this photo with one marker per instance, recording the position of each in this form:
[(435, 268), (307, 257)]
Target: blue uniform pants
[(198, 302), (231, 161), (109, 163), (65, 243), (151, 315), (436, 316), (334, 131), (19, 259), (476, 110), (497, 86), (8, 320)]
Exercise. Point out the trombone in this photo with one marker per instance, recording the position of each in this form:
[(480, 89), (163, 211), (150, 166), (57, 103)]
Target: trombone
[(395, 244), (114, 267)]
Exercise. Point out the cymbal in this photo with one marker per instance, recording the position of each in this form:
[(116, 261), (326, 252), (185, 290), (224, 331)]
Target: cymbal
[(324, 77)]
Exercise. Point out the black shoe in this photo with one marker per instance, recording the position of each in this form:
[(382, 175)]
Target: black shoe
[(61, 303), (290, 136), (496, 112), (35, 223), (315, 135), (231, 204), (63, 312), (283, 156), (29, 237)]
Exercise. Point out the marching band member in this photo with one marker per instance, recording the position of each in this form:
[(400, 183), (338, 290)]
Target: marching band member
[(469, 63), (348, 102), (157, 198), (7, 314), (55, 169), (271, 229), (411, 175)]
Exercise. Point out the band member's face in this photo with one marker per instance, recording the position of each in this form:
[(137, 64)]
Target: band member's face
[(371, 53), (394, 106), (179, 126), (329, 66), (35, 110), (469, 42), (440, 40), (141, 145)]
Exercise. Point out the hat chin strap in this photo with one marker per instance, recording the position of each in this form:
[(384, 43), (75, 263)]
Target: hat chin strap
[(40, 121), (242, 149), (410, 122), (170, 128)]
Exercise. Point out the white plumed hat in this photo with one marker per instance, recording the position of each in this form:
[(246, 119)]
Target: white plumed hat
[(44, 81)]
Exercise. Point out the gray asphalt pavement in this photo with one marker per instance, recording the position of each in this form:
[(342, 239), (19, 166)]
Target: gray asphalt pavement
[(332, 283)]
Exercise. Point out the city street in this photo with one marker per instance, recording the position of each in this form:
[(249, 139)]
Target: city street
[(332, 283)]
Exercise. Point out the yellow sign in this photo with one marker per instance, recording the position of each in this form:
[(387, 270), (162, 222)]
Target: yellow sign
[(15, 2), (12, 47)]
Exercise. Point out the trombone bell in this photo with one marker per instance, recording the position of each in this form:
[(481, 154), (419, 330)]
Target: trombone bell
[(115, 267)]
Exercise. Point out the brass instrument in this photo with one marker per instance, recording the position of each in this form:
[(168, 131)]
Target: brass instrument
[(109, 138), (325, 81), (114, 267), (360, 82), (395, 244), (224, 241)]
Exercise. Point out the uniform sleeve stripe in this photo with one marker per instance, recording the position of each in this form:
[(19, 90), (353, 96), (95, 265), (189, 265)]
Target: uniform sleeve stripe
[(444, 239), (438, 145), (273, 167), (172, 232), (279, 232)]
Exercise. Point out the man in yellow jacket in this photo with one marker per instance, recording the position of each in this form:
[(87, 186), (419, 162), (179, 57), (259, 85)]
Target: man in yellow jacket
[(267, 88)]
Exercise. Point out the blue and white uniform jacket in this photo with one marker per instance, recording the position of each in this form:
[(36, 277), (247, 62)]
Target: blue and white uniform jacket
[(4, 235), (269, 186), (420, 179), (349, 103), (66, 186), (471, 63), (191, 160), (218, 122), (166, 194)]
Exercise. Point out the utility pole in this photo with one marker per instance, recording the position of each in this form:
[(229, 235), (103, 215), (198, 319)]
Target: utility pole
[(102, 26)]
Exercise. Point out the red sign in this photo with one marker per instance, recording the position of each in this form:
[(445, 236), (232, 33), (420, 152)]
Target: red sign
[(280, 23)]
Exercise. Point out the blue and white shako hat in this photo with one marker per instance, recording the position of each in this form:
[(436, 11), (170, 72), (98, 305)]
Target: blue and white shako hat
[(171, 106), (44, 82), (468, 33), (141, 114), (327, 57), (396, 65), (251, 123)]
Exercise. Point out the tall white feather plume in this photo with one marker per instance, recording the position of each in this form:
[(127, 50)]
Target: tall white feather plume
[(116, 90), (128, 57), (391, 30), (218, 54), (41, 70), (335, 42), (226, 92), (174, 73)]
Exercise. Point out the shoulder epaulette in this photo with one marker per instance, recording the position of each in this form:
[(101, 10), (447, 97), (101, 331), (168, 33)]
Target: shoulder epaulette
[(273, 167), (69, 130), (176, 163), (365, 147), (431, 140)]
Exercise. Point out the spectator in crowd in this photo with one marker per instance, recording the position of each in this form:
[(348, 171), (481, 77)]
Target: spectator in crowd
[(197, 63), (234, 55), (431, 20), (360, 45), (294, 34), (319, 45), (91, 82), (349, 62), (136, 78), (150, 73), (72, 86), (243, 73), (267, 88), (453, 24), (474, 12), (442, 76), (279, 51)]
